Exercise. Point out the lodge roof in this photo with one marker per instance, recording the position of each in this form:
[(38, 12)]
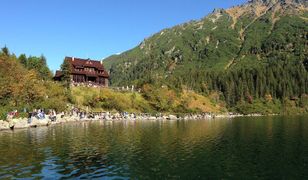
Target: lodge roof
[(58, 74)]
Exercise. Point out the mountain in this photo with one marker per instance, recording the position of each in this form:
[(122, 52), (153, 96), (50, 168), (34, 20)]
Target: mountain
[(221, 40), (241, 45)]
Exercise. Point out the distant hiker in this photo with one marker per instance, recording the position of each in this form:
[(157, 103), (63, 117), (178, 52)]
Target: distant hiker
[(12, 114), (41, 114), (52, 115), (30, 117), (34, 113)]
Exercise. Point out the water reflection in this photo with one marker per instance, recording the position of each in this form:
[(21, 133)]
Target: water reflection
[(221, 148)]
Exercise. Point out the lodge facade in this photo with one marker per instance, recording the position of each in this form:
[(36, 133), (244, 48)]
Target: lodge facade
[(85, 72)]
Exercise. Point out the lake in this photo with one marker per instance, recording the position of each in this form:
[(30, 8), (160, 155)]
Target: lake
[(247, 147)]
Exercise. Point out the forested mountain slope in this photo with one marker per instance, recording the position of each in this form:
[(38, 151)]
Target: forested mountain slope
[(255, 50)]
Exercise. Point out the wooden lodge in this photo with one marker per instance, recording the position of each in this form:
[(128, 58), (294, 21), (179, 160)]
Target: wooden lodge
[(85, 72)]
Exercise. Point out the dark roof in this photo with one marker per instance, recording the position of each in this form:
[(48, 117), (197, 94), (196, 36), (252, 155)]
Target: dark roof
[(58, 74), (82, 63), (78, 63)]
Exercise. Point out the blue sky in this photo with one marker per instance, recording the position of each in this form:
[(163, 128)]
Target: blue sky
[(92, 28)]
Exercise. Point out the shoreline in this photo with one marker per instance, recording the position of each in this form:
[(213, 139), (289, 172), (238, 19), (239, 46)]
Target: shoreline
[(22, 123)]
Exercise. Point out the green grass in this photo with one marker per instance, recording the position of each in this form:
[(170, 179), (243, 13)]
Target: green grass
[(151, 100)]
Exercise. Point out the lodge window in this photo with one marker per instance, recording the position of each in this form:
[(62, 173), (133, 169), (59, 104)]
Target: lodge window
[(78, 78), (90, 69)]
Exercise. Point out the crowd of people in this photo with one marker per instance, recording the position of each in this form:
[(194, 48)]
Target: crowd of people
[(77, 114), (39, 114)]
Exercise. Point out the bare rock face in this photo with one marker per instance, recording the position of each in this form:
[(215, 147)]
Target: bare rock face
[(303, 2), (219, 10), (271, 2)]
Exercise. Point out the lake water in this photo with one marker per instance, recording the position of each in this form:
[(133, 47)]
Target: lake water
[(250, 148)]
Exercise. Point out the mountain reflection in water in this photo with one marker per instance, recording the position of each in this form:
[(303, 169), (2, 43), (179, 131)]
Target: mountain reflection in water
[(256, 147)]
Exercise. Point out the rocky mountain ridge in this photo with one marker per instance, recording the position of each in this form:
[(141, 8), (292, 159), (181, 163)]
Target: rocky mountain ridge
[(271, 2), (248, 35)]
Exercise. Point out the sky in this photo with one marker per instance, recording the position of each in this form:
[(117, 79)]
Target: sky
[(92, 29)]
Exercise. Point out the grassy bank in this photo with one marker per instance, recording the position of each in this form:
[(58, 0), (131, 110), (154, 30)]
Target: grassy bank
[(150, 100)]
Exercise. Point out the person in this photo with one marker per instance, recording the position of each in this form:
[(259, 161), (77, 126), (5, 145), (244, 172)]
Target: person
[(41, 114), (34, 113), (52, 115), (15, 113), (55, 114), (82, 115), (30, 117), (9, 116)]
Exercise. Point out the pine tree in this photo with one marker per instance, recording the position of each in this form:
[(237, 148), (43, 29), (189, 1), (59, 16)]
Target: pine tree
[(66, 70), (44, 70), (6, 51), (23, 59)]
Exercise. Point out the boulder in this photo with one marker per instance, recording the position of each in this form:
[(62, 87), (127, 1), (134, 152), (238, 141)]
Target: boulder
[(96, 118), (70, 119), (172, 117), (138, 118), (61, 120), (152, 118), (21, 123), (54, 122), (4, 125), (39, 122), (160, 118), (75, 118), (11, 124), (187, 118)]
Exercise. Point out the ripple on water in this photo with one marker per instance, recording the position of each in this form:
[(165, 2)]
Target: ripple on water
[(216, 149)]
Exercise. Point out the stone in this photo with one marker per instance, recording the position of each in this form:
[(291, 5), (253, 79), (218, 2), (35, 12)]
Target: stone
[(4, 125), (61, 120), (160, 118), (172, 117), (21, 123), (187, 118), (152, 118), (39, 122), (165, 117), (71, 119)]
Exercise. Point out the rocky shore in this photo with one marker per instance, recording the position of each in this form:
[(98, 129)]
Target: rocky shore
[(23, 123)]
